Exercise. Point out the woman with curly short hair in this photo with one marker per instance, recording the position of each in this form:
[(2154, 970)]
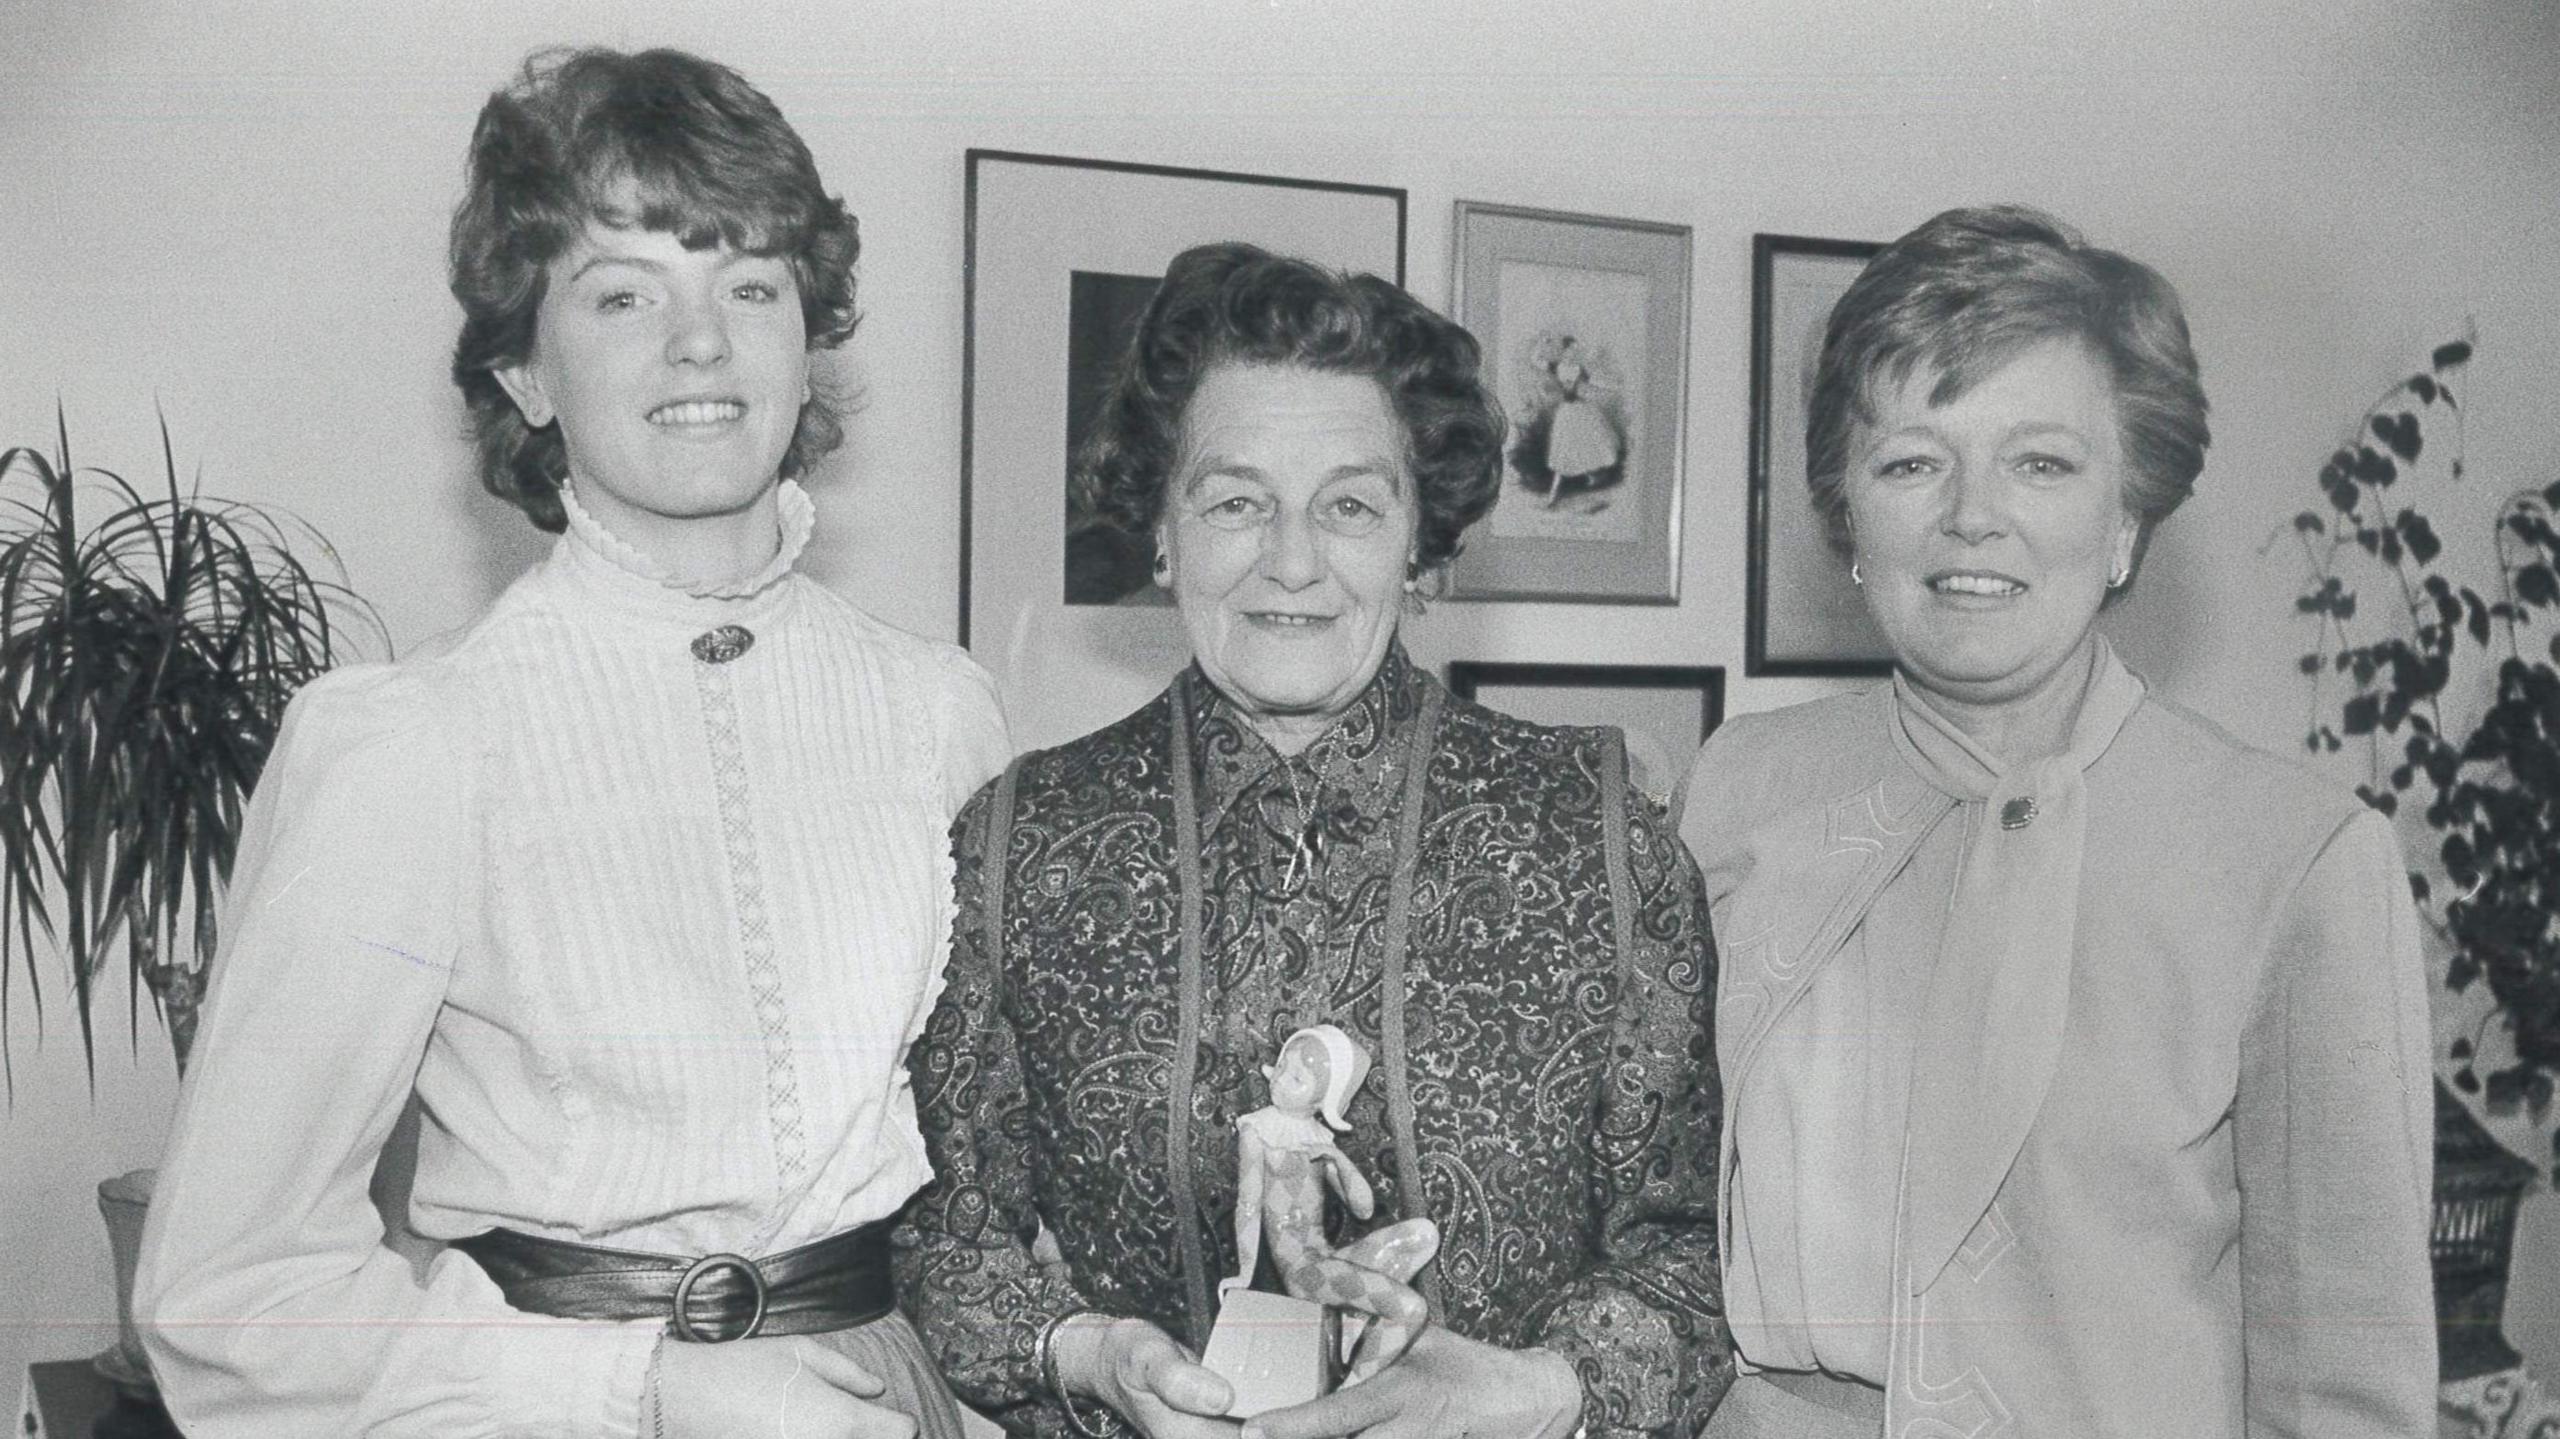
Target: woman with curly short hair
[(652, 142), (1305, 829), (2076, 1058), (640, 884)]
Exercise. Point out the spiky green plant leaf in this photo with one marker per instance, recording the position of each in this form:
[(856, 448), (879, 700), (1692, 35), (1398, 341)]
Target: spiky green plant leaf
[(146, 658)]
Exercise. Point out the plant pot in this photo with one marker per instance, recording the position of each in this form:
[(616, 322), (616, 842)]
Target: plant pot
[(2478, 1189), (123, 1201)]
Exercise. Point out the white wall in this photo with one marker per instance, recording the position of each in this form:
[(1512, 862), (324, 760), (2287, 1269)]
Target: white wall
[(235, 212)]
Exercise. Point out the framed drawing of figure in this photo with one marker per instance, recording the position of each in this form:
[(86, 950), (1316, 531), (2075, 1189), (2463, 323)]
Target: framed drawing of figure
[(1585, 327)]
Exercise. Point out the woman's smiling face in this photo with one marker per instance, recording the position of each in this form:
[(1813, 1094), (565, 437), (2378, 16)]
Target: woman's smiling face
[(1289, 526), (1987, 528), (676, 376)]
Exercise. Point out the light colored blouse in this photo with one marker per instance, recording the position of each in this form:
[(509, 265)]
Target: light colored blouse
[(2161, 1158), (1825, 1136), (649, 926)]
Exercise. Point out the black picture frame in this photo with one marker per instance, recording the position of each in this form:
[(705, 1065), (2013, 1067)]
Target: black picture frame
[(1803, 616), (1053, 243), (1659, 745)]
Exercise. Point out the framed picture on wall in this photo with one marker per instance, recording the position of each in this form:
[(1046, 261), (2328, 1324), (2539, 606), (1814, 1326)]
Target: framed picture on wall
[(1585, 327), (1667, 711), (1804, 617), (1062, 257)]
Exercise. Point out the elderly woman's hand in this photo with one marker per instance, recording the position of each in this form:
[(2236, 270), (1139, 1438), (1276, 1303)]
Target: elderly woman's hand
[(1445, 1387), (1145, 1377)]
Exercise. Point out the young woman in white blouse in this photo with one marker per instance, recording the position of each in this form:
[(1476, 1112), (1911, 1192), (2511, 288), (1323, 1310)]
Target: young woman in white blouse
[(640, 884)]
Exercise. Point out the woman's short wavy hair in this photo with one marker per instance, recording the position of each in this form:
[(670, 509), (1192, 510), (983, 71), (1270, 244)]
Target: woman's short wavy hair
[(659, 140), (1966, 293), (1236, 304)]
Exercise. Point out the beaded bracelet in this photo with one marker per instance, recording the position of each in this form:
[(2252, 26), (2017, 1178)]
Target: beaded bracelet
[(1046, 1349)]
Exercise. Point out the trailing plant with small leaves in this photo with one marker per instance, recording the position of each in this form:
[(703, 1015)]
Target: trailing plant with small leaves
[(145, 660), (2489, 787)]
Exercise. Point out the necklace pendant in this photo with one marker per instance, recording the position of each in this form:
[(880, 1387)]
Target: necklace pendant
[(1308, 849)]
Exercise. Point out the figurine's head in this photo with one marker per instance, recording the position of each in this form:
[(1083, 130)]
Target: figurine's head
[(1318, 1071)]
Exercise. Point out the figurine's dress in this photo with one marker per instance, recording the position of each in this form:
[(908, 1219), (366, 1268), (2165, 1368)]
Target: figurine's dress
[(1365, 1275)]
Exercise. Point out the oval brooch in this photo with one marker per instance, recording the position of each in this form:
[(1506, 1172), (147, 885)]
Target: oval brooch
[(718, 647)]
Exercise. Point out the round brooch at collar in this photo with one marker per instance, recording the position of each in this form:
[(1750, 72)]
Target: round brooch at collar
[(719, 646), (2018, 813)]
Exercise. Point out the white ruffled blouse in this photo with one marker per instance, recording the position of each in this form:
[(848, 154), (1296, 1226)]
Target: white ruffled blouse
[(646, 890)]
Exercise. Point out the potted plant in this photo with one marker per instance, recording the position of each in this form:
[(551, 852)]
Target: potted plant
[(148, 644), (2484, 782)]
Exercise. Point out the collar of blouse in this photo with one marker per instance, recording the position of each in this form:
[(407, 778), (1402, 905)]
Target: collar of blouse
[(1358, 759), (601, 563)]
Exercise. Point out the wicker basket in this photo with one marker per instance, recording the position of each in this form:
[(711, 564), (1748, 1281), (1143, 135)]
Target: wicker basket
[(2479, 1186)]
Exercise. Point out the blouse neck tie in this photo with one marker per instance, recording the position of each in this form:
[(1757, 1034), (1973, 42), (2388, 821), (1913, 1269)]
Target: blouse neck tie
[(2000, 995)]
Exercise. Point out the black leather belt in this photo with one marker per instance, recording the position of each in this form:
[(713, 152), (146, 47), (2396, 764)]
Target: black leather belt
[(834, 1283)]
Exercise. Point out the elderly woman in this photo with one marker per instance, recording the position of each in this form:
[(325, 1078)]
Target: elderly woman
[(1306, 829), (2075, 1055), (640, 883)]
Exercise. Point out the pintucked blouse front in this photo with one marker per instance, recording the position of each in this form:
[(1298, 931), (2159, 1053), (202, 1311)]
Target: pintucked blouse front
[(647, 890)]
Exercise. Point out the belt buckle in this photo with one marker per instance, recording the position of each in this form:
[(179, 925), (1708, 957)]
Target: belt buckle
[(708, 1264)]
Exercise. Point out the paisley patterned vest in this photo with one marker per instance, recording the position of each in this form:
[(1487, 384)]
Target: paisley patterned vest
[(1523, 929)]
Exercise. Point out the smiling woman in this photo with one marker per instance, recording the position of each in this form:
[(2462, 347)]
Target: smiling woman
[(675, 375), (1987, 528), (1306, 830), (639, 886), (2133, 1136), (1288, 540)]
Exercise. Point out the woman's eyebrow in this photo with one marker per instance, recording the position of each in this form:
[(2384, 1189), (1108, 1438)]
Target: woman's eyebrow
[(1378, 467), (1911, 430), (1219, 466), (2039, 429), (639, 262)]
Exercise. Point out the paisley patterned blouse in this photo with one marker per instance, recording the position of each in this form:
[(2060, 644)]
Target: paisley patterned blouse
[(1557, 1014)]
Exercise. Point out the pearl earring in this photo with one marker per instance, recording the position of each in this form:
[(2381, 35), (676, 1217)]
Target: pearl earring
[(2116, 581)]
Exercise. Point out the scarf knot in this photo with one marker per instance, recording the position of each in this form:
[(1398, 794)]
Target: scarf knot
[(2000, 993)]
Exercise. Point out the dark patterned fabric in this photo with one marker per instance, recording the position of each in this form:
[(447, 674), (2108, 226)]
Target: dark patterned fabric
[(1566, 1101)]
